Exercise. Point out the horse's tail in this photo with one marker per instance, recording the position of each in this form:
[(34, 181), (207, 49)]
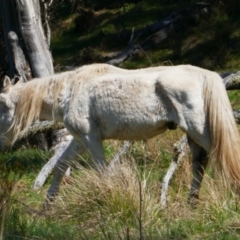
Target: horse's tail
[(225, 140)]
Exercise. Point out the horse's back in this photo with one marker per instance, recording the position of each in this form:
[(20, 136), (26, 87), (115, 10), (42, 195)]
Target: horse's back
[(132, 104)]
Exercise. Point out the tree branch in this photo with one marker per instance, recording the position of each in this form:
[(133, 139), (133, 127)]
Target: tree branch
[(122, 151), (236, 114), (48, 167), (20, 63), (180, 149), (46, 22), (231, 80), (40, 127)]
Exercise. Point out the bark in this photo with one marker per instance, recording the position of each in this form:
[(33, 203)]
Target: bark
[(40, 59), (21, 66), (236, 114), (48, 130), (32, 32), (180, 149), (231, 80), (46, 23), (49, 166), (122, 151), (30, 56), (40, 127)]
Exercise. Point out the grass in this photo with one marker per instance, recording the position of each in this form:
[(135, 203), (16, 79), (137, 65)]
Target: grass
[(113, 204), (122, 203)]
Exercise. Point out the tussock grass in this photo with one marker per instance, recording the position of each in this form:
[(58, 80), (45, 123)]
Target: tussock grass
[(121, 202), (124, 203)]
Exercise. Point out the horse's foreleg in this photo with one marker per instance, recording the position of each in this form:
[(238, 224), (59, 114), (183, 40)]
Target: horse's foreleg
[(73, 149), (199, 163), (93, 144)]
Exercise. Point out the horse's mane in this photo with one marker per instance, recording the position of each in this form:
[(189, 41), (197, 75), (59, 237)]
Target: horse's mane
[(32, 94), (90, 71), (29, 105)]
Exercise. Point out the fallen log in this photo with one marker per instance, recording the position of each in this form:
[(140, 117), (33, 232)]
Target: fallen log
[(48, 167)]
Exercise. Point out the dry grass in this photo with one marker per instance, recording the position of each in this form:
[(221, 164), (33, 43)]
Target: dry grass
[(124, 203)]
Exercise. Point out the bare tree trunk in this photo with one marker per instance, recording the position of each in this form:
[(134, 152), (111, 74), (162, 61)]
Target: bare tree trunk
[(32, 32)]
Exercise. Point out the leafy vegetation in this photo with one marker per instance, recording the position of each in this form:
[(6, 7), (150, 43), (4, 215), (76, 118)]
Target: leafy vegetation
[(124, 203)]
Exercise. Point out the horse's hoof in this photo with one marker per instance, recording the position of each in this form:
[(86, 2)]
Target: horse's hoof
[(193, 200), (48, 204)]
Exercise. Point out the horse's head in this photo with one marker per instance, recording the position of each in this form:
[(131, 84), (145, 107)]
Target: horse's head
[(7, 110)]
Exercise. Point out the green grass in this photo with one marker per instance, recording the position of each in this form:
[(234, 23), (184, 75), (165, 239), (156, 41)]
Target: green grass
[(94, 210), (91, 206)]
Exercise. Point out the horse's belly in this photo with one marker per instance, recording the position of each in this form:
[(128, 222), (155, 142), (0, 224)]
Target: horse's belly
[(133, 131)]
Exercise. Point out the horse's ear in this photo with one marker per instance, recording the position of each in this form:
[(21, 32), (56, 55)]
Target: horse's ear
[(6, 84)]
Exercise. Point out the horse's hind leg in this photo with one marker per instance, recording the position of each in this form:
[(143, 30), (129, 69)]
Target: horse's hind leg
[(72, 151), (199, 163)]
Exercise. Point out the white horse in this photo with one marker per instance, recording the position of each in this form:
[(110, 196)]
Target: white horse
[(99, 101)]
